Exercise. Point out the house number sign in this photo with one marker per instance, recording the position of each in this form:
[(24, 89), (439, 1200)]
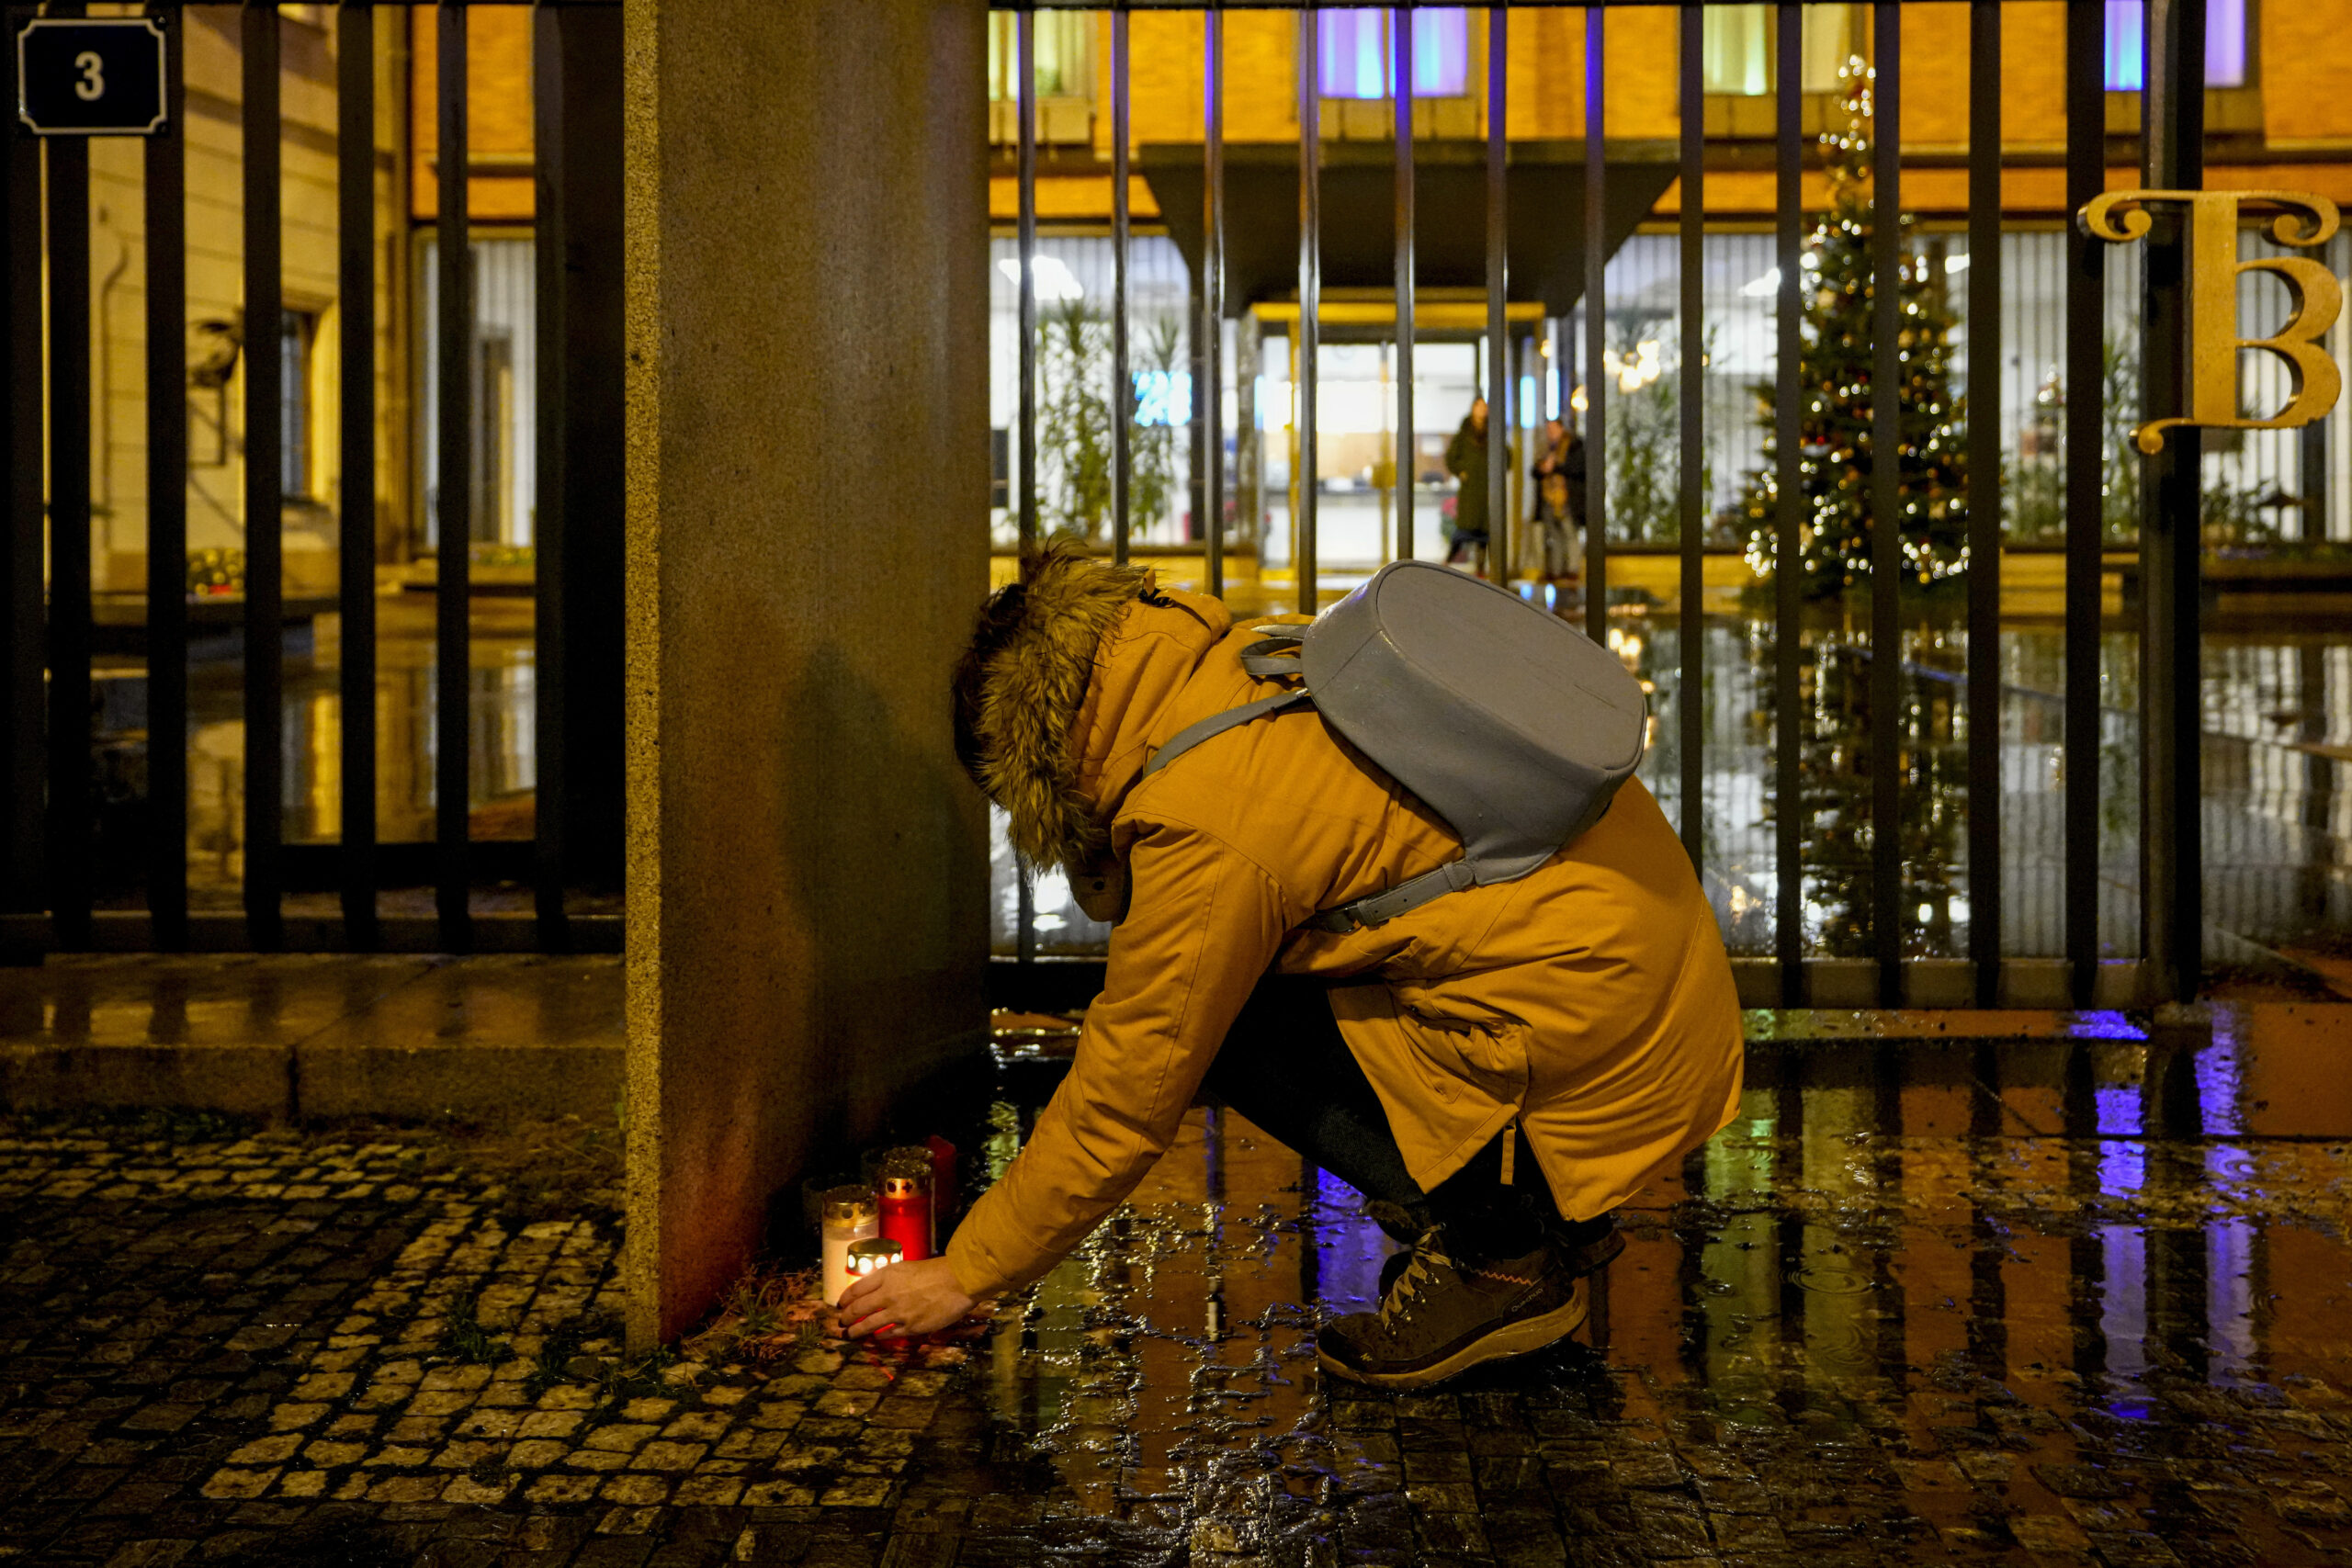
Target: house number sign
[(101, 77), (2315, 296)]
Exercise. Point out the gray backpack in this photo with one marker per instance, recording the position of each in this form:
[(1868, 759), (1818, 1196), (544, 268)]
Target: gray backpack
[(1507, 721)]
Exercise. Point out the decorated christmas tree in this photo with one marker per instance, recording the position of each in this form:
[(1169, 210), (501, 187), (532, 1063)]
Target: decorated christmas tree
[(1837, 361)]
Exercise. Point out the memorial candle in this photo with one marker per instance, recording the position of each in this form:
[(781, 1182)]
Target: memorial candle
[(906, 1205), (850, 1217), (867, 1257), (916, 1154)]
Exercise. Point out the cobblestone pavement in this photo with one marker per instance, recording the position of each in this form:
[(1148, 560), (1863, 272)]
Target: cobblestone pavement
[(2068, 1300)]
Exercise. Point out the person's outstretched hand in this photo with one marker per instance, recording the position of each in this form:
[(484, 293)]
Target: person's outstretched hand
[(904, 1300)]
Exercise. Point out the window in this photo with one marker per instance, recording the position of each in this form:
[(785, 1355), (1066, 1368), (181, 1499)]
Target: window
[(2127, 45), (1065, 55), (495, 429), (298, 333), (1065, 108), (1356, 59), (501, 366), (1741, 45)]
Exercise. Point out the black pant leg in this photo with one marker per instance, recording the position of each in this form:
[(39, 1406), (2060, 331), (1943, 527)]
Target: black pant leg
[(1489, 1219), (1285, 1067)]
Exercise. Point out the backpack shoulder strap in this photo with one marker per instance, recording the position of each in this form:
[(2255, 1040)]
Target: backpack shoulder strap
[(1402, 900), (1272, 657), (1276, 654), (1217, 724)]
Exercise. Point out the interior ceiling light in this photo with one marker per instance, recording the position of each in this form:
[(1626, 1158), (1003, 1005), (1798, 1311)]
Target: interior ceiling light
[(1054, 279)]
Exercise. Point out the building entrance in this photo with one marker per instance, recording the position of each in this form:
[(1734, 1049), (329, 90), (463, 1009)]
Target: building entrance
[(1381, 495)]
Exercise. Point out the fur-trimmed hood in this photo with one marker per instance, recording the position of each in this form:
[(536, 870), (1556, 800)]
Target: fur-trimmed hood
[(1068, 699)]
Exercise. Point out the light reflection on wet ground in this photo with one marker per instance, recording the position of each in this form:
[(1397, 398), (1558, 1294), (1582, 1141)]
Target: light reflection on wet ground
[(501, 761), (1982, 1298)]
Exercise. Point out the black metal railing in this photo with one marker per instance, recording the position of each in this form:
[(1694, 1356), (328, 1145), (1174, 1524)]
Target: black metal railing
[(2170, 962), (46, 889)]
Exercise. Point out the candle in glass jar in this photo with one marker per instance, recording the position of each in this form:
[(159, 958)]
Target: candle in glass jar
[(914, 1153), (850, 1217), (906, 1204), (866, 1256)]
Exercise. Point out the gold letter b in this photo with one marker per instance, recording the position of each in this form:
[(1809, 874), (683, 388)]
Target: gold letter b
[(2313, 293)]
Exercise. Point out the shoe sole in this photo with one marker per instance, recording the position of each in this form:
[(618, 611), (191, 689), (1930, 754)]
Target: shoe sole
[(1521, 1338)]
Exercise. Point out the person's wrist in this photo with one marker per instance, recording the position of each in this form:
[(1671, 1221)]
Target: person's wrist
[(962, 1268)]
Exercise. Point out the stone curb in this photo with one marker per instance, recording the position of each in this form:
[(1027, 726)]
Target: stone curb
[(483, 1039), (290, 1082)]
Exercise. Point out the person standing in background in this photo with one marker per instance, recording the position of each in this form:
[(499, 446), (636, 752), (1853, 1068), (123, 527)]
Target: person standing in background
[(1465, 459), (1559, 475)]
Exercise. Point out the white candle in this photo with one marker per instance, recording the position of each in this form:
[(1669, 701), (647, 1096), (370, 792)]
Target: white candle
[(869, 1257), (850, 1217)]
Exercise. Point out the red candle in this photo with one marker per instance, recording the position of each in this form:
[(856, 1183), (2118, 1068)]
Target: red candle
[(906, 1207)]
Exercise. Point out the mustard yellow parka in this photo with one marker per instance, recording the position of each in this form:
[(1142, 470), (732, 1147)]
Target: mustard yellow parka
[(1591, 998)]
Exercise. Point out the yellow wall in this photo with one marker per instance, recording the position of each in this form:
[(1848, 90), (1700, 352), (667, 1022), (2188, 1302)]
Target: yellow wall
[(498, 111), (499, 103), (2301, 59), (212, 59), (2300, 52)]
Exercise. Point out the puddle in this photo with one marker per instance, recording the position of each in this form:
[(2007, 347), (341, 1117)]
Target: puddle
[(2054, 1294)]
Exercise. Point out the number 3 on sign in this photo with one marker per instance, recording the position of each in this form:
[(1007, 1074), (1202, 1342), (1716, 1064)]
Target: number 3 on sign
[(92, 75)]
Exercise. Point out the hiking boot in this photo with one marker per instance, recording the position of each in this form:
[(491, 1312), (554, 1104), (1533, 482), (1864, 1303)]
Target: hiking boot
[(1585, 1248), (1443, 1316)]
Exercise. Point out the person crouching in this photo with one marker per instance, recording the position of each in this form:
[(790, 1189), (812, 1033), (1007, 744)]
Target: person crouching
[(1496, 1071)]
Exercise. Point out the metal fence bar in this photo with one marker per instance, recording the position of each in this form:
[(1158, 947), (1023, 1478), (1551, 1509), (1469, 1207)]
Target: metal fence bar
[(2312, 466), (589, 162), (1886, 503), (1405, 457), (2172, 894), (2085, 318), (1210, 396), (1690, 684), (355, 270), (551, 654), (1596, 335), (69, 822), (1024, 51), (166, 224), (264, 487), (1985, 498), (1788, 713), (21, 872), (25, 736), (1310, 298), (1123, 392), (1500, 426), (452, 728)]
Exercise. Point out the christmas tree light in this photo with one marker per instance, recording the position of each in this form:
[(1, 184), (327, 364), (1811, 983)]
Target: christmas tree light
[(1836, 362)]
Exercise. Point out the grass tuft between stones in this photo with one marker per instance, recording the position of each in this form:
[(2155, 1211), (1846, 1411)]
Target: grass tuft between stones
[(463, 1338)]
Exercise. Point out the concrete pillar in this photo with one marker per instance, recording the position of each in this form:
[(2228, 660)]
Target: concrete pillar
[(806, 541)]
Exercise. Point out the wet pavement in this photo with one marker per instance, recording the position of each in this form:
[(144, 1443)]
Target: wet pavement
[(2073, 1294)]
